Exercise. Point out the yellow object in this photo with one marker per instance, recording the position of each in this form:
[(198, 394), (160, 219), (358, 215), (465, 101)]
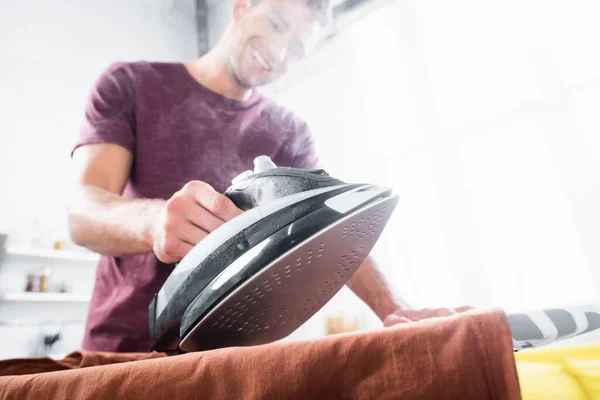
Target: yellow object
[(59, 245), (548, 381), (340, 324), (588, 373), (562, 373)]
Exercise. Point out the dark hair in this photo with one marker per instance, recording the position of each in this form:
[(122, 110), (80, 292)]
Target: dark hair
[(319, 8)]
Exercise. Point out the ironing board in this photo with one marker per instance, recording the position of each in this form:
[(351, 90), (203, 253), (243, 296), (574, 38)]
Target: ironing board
[(544, 327)]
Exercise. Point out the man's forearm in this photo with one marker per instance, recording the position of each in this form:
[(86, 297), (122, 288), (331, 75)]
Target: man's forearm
[(110, 224), (370, 285)]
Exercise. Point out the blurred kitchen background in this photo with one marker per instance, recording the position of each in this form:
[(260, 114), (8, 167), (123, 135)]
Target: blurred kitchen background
[(484, 116)]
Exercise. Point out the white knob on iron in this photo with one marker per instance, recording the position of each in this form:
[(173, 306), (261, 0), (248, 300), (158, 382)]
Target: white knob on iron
[(263, 163)]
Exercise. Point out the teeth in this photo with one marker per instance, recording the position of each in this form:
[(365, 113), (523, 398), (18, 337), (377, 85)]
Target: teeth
[(261, 61)]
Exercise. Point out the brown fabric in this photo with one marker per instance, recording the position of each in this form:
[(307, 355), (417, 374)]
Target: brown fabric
[(464, 356), (77, 359)]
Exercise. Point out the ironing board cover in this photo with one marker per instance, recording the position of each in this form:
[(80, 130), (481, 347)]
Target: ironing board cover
[(543, 327)]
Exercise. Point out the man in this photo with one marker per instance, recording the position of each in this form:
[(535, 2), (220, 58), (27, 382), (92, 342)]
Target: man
[(162, 141)]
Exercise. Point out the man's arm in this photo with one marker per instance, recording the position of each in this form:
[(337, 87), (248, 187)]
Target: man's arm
[(369, 284), (104, 221), (99, 218)]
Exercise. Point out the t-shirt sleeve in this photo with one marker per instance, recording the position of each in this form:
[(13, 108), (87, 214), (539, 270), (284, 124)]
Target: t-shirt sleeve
[(304, 149), (109, 111)]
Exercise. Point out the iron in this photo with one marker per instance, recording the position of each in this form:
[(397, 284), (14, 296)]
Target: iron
[(261, 275)]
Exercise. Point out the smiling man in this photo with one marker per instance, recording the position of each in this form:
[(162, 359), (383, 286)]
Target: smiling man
[(160, 144)]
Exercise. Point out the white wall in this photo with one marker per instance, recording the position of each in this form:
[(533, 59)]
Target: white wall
[(219, 16), (50, 55), (483, 117)]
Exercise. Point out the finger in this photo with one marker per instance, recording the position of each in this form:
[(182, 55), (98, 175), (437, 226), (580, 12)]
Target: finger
[(191, 234), (183, 249), (443, 312), (394, 320), (414, 315), (202, 218), (464, 309), (218, 204), (171, 250), (418, 315)]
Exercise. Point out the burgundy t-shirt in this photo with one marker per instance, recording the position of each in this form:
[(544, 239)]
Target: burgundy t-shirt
[(177, 131)]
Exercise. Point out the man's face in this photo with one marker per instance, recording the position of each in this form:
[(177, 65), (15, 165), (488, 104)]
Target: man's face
[(268, 38)]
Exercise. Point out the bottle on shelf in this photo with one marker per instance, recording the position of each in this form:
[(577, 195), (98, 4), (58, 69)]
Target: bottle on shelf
[(45, 280)]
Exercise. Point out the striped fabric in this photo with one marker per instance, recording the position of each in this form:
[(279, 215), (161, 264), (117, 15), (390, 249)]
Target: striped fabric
[(542, 327)]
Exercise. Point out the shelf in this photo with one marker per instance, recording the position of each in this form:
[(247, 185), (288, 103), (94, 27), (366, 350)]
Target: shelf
[(45, 297), (48, 254)]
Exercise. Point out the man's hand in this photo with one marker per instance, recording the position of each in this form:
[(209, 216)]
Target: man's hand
[(405, 315), (187, 218)]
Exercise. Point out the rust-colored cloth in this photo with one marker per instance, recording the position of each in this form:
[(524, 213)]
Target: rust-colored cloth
[(463, 356), (77, 359)]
